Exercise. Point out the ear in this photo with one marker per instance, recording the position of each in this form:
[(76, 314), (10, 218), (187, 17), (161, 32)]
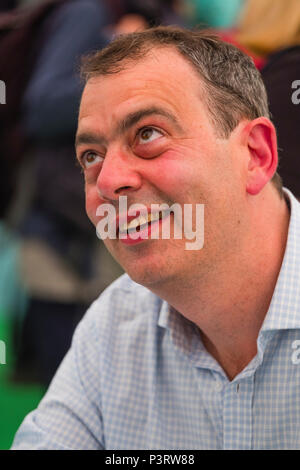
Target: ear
[(262, 152)]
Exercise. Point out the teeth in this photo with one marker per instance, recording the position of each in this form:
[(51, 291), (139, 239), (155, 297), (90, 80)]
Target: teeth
[(141, 220), (153, 217), (123, 228), (138, 221)]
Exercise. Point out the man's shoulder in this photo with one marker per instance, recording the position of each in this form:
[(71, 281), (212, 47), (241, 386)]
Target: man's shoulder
[(123, 301)]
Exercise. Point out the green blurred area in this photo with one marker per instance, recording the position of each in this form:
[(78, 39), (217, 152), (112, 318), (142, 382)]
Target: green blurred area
[(16, 399)]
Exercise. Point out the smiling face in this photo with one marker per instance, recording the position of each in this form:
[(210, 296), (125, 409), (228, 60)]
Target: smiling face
[(145, 133)]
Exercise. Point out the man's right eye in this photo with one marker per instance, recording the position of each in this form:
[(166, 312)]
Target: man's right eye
[(90, 158)]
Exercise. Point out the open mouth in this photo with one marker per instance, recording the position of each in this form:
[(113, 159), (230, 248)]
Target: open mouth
[(141, 222)]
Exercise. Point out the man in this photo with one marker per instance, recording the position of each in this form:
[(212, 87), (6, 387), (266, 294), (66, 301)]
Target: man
[(193, 348)]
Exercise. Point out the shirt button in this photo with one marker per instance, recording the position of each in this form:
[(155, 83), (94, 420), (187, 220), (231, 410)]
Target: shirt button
[(218, 386)]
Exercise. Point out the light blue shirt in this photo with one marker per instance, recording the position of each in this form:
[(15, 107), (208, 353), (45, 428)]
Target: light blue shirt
[(138, 377)]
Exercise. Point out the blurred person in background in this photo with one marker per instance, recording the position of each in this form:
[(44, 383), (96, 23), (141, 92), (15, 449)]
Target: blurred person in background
[(62, 266), (8, 5), (12, 294), (154, 12)]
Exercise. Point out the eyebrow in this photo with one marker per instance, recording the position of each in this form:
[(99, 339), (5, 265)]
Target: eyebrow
[(125, 124)]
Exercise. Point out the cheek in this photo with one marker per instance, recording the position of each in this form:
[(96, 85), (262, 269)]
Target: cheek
[(173, 171), (91, 203)]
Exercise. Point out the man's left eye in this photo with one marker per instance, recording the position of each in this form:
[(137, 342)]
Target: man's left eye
[(148, 134)]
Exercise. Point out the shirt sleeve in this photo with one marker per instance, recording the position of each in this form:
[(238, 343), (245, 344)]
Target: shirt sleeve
[(69, 416), (51, 101)]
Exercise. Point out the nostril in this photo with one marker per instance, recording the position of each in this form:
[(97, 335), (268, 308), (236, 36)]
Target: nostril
[(122, 189)]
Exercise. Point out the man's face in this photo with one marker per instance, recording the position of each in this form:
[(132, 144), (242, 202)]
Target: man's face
[(145, 133)]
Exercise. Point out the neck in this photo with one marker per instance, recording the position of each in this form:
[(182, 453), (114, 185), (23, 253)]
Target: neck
[(230, 303)]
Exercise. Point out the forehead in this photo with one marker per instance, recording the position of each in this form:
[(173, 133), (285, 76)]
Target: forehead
[(162, 76)]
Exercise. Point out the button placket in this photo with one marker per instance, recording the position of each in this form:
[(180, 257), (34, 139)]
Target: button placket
[(237, 414)]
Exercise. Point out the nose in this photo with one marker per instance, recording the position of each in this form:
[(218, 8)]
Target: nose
[(118, 175)]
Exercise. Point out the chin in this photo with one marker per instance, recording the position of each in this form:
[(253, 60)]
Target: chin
[(154, 279), (150, 269), (145, 278)]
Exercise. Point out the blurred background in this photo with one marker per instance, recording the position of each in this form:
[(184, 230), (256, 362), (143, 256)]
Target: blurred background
[(52, 265)]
